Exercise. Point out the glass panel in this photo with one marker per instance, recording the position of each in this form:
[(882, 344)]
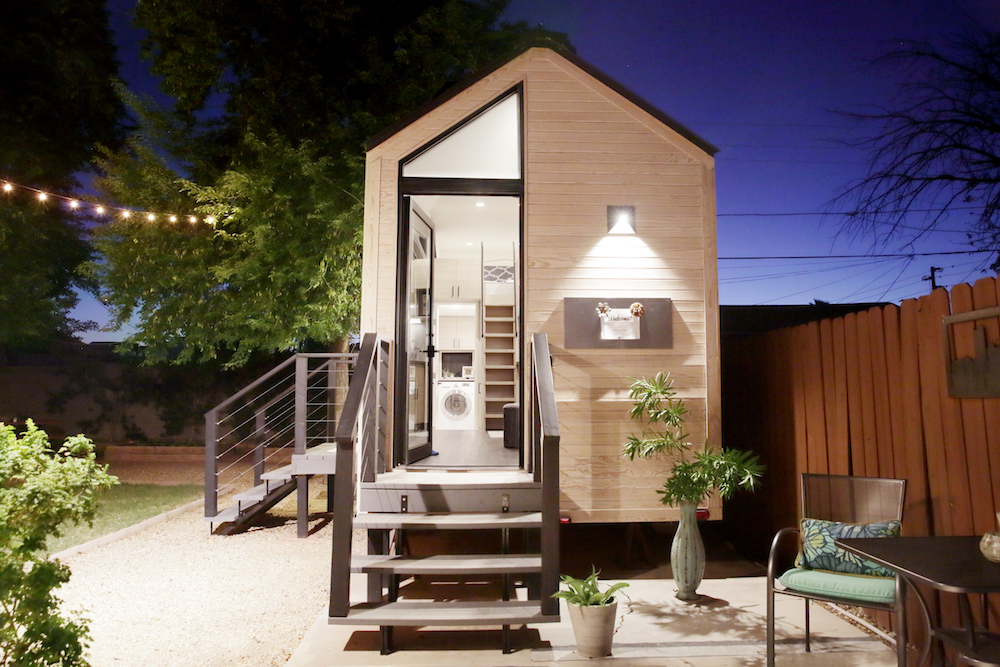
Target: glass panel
[(487, 147), (418, 332)]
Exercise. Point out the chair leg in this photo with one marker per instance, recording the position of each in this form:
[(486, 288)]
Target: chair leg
[(808, 647), (770, 622)]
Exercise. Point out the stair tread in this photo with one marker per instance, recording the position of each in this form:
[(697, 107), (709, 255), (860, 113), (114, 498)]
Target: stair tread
[(408, 479), (449, 564), (445, 521), (454, 613), (282, 473)]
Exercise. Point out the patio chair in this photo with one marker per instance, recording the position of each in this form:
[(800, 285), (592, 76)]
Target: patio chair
[(836, 506)]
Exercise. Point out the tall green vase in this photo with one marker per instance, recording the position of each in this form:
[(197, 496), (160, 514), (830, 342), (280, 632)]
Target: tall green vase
[(687, 553)]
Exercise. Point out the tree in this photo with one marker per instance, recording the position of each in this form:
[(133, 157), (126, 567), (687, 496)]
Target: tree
[(279, 169), (43, 489), (56, 103), (937, 150)]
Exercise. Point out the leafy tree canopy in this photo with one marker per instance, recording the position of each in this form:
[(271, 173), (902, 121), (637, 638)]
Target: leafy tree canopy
[(300, 86), (935, 155), (56, 103)]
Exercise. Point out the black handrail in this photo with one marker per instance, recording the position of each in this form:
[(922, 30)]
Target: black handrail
[(545, 437), (343, 483)]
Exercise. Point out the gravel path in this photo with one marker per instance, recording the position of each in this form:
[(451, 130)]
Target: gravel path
[(174, 595)]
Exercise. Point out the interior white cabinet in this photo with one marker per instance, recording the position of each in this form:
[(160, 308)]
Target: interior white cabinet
[(457, 332), (457, 278)]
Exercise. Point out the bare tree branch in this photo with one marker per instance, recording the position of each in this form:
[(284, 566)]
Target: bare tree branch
[(936, 146)]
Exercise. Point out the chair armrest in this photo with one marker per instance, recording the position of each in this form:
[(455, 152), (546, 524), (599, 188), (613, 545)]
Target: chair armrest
[(781, 538)]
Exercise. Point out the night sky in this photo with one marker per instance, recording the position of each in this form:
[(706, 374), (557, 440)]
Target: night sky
[(762, 81)]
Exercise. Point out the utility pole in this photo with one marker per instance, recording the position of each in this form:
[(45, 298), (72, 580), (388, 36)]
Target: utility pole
[(933, 277)]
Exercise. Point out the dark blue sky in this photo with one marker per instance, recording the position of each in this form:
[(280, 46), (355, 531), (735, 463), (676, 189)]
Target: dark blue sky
[(761, 80)]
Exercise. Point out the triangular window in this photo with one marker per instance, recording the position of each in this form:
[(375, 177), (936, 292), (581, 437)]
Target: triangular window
[(488, 146)]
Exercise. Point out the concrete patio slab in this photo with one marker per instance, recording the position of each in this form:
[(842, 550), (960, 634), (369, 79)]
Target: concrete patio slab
[(725, 627)]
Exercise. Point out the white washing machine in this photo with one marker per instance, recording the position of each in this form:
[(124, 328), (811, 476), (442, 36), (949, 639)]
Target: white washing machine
[(456, 405)]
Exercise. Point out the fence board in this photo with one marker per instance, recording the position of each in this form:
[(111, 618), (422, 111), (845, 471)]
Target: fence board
[(814, 395), (795, 338), (867, 387), (917, 518), (840, 451), (880, 393), (894, 386), (856, 428), (930, 404)]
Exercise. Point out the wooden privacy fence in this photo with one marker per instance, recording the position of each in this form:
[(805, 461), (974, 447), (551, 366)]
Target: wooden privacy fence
[(867, 394)]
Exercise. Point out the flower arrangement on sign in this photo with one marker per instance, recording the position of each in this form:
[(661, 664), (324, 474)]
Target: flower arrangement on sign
[(620, 323)]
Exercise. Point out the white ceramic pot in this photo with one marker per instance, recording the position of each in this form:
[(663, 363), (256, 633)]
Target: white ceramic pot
[(687, 553), (594, 627)]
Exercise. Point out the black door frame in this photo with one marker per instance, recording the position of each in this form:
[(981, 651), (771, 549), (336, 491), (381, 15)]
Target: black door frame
[(411, 186)]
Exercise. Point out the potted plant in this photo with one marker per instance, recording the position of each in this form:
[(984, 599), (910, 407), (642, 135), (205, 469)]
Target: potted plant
[(691, 477), (592, 613)]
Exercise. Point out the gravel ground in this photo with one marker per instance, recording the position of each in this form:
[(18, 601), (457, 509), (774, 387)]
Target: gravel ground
[(174, 595)]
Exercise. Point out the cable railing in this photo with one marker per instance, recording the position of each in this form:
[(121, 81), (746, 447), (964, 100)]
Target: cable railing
[(289, 409)]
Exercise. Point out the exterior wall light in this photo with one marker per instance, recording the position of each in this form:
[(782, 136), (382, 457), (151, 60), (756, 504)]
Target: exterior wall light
[(621, 220)]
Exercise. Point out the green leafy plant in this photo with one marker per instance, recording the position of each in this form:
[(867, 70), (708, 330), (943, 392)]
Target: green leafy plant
[(42, 488), (691, 478), (586, 592)]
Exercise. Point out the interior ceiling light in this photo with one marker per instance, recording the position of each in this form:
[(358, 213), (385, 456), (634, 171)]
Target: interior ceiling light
[(621, 220), (480, 204)]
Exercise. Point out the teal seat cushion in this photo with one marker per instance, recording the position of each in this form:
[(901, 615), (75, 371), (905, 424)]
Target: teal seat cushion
[(846, 586), (820, 553)]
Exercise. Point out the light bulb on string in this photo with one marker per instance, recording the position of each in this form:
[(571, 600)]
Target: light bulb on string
[(97, 208)]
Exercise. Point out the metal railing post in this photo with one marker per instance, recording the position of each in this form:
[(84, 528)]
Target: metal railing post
[(301, 391), (260, 424), (211, 476)]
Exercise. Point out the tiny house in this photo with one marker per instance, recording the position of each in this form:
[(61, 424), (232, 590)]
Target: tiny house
[(542, 197)]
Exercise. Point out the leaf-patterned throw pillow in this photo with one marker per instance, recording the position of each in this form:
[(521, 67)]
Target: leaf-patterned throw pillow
[(820, 553)]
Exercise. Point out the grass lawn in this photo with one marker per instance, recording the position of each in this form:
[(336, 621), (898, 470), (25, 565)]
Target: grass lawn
[(125, 505)]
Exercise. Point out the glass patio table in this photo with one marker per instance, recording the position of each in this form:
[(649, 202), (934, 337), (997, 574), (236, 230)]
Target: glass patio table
[(950, 565)]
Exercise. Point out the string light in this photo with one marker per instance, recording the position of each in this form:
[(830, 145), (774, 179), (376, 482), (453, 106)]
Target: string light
[(99, 209)]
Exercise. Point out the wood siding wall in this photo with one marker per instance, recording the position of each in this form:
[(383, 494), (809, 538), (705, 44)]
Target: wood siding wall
[(588, 147), (867, 394)]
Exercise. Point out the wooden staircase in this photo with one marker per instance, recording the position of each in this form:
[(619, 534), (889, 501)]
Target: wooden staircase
[(400, 503), (414, 520), (500, 385)]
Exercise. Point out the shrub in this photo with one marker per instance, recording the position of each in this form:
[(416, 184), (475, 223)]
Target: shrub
[(41, 489)]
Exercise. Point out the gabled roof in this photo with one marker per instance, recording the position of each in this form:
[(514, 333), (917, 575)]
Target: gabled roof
[(470, 80)]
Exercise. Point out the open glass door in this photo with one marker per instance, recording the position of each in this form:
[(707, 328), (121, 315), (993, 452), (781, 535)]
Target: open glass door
[(414, 364)]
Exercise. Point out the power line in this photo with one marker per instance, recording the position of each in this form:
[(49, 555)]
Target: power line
[(911, 210), (873, 256)]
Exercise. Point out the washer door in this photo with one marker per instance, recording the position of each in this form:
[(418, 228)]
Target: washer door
[(456, 405)]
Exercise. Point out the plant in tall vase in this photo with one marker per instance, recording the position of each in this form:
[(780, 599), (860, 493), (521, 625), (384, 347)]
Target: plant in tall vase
[(692, 476)]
